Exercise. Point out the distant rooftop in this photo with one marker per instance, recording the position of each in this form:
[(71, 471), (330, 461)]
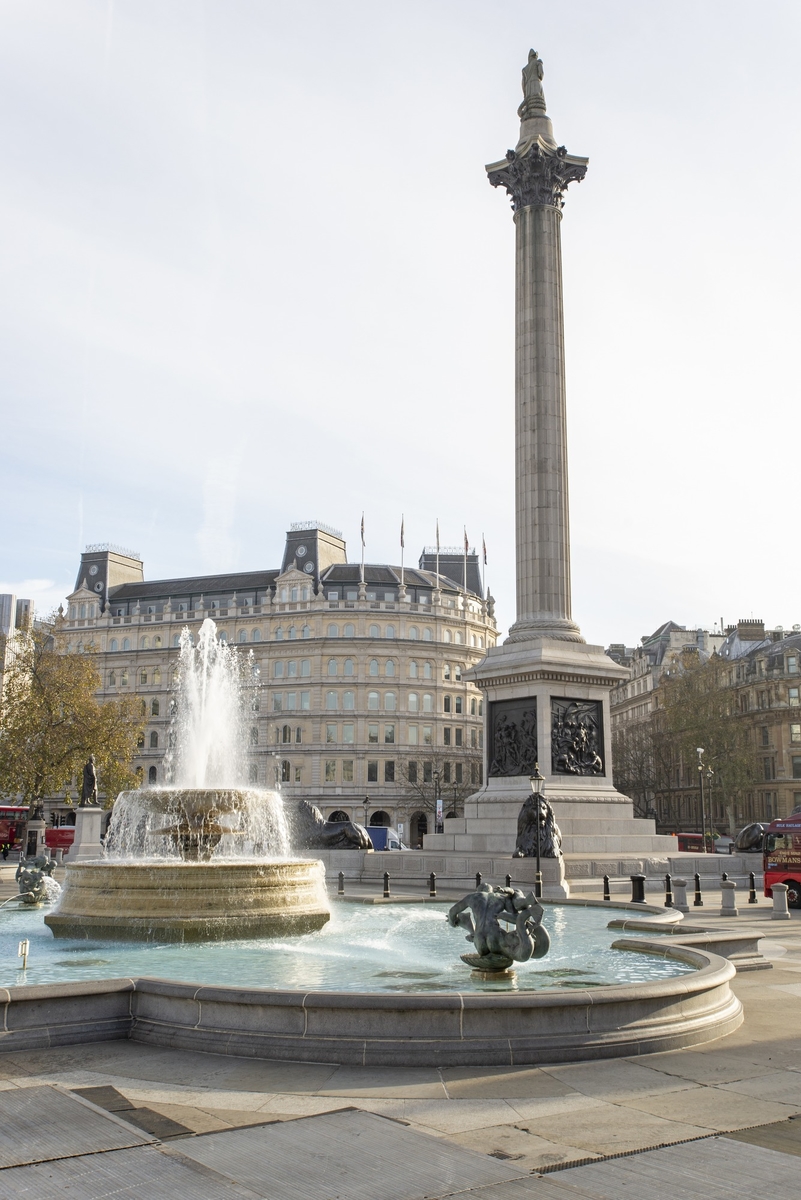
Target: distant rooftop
[(296, 526), (112, 548)]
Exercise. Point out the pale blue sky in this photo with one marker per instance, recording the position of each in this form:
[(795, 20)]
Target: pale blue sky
[(253, 273)]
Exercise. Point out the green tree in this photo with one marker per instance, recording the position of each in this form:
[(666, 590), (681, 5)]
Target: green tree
[(51, 721), (697, 708)]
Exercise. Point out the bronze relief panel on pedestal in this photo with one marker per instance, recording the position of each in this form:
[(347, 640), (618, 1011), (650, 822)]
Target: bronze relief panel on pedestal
[(512, 737), (577, 737)]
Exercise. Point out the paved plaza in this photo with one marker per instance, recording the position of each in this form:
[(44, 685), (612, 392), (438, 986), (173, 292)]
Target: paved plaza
[(119, 1118)]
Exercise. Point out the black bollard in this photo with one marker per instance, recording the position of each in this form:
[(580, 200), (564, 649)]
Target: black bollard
[(508, 880), (538, 885), (698, 902), (638, 889), (341, 884), (607, 895), (478, 879), (386, 883), (432, 884), (752, 896), (668, 891)]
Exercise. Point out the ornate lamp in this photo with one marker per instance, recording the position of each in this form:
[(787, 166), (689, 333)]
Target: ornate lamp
[(537, 783)]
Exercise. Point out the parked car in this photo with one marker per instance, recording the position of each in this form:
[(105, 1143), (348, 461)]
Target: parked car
[(724, 844)]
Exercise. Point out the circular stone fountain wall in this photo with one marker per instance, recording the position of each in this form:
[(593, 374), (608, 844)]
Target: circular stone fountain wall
[(186, 901)]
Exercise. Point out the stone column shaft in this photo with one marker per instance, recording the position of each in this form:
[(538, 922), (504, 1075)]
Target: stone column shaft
[(541, 507)]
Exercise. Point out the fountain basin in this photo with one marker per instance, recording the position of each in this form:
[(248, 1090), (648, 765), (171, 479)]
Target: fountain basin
[(190, 901)]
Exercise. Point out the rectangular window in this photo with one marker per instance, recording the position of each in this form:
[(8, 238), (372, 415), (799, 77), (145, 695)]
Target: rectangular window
[(459, 772), (298, 774), (765, 736), (458, 735), (372, 770), (411, 735), (299, 735), (291, 698), (389, 735), (372, 735), (347, 734), (305, 701), (411, 772), (446, 772), (796, 766), (351, 594), (305, 666), (446, 735), (330, 770), (333, 595), (292, 669), (768, 769), (278, 702), (792, 696), (278, 669), (795, 733), (348, 700), (474, 738), (457, 704), (792, 664), (428, 772), (347, 770), (330, 734), (428, 740), (389, 771)]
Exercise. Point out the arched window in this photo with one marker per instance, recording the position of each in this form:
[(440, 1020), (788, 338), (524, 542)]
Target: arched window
[(413, 670), (256, 635), (414, 633), (140, 742), (126, 643), (446, 671), (144, 643), (293, 633), (339, 815), (152, 775), (373, 701), (115, 645), (428, 702), (143, 676), (457, 637), (349, 700), (293, 595), (112, 679), (83, 610), (278, 669), (414, 702), (457, 672), (428, 671), (279, 634), (156, 675), (253, 772), (333, 631), (285, 771), (457, 704), (243, 635), (375, 631), (223, 636), (446, 637), (380, 818), (389, 669), (254, 735), (332, 666), (373, 668), (427, 635), (154, 740), (389, 631), (481, 643), (305, 632), (447, 704), (350, 631), (143, 708), (286, 733), (348, 666), (330, 699), (473, 706), (154, 708), (157, 641), (298, 737), (123, 678), (390, 701)]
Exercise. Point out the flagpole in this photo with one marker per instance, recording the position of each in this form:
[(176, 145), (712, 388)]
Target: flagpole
[(437, 551), (362, 570), (483, 568), (464, 574), (402, 545)]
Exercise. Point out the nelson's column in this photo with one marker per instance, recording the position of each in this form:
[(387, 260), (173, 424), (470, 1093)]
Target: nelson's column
[(547, 691)]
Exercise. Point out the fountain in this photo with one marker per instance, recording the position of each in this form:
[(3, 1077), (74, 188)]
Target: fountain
[(203, 858)]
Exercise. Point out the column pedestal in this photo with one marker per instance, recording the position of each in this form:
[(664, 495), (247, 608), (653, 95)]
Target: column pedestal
[(87, 844)]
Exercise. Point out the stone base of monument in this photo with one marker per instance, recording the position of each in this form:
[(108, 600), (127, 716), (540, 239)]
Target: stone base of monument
[(88, 826)]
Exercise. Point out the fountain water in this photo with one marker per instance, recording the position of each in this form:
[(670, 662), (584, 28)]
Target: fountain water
[(204, 857)]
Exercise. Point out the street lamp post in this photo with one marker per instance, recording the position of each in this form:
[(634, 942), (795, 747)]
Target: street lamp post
[(366, 811), (700, 752), (537, 785), (710, 775), (437, 804)]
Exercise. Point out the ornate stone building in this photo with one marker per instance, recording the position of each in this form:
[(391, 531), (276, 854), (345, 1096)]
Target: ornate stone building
[(360, 703)]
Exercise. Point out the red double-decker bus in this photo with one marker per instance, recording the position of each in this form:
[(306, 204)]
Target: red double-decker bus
[(12, 824), (781, 857)]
